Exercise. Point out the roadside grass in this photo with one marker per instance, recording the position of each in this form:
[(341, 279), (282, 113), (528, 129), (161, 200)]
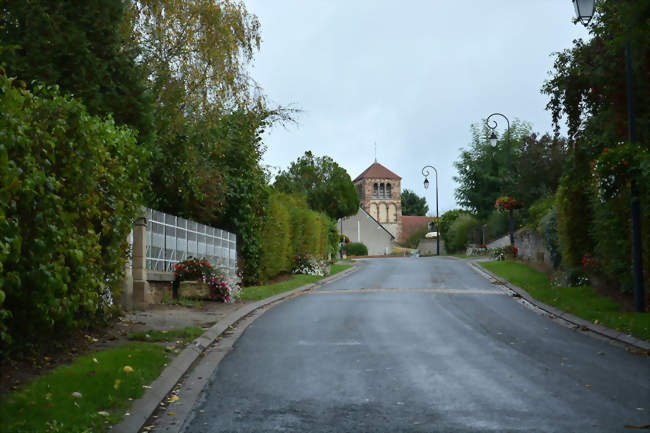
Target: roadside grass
[(187, 334), (255, 293), (459, 255), (48, 405), (584, 302)]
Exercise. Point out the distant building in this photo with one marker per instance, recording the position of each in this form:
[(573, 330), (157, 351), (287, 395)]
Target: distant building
[(379, 222)]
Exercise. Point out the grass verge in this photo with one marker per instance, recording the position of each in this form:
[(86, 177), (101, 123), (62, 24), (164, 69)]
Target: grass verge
[(89, 395), (254, 293), (584, 302), (186, 334)]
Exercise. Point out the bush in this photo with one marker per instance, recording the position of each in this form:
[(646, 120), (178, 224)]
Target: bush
[(548, 228), (446, 220), (356, 249), (70, 187), (414, 239), (459, 231), (497, 224), (292, 229), (192, 268)]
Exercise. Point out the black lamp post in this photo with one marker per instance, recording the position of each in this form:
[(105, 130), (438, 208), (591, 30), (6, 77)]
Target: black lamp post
[(584, 13), (493, 142), (426, 173)]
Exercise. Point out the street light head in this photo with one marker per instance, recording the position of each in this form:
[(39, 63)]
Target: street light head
[(584, 10), (493, 139), (426, 183)]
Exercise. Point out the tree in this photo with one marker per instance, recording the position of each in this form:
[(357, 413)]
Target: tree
[(483, 173), (78, 46), (412, 204), (327, 186), (588, 89)]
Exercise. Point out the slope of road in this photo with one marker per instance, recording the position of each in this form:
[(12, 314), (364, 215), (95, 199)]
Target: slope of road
[(420, 344)]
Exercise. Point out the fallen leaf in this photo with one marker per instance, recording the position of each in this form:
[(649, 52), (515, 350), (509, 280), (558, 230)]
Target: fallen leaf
[(146, 386), (48, 396), (164, 332), (77, 394), (128, 369), (173, 398), (587, 386), (117, 383), (95, 361), (103, 413), (171, 413)]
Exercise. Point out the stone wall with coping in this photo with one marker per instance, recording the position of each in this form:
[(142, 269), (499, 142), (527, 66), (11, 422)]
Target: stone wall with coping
[(530, 246)]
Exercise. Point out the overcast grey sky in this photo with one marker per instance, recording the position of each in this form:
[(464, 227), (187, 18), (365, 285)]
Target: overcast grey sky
[(411, 76)]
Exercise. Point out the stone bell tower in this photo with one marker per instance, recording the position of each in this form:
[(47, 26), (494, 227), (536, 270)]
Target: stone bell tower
[(379, 191)]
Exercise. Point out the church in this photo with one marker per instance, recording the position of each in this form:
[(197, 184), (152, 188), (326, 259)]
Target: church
[(379, 223)]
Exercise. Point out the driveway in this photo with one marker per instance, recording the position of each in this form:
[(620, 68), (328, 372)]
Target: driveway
[(422, 345)]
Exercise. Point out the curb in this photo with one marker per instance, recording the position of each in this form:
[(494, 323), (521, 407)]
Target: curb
[(142, 408), (582, 324)]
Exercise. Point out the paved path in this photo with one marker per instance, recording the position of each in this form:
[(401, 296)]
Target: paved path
[(420, 344)]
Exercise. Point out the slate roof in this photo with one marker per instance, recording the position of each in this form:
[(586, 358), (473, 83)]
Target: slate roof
[(376, 170), (410, 224)]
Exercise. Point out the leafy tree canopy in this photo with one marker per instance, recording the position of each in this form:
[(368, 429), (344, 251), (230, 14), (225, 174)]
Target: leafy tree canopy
[(412, 204), (78, 46), (326, 185), (483, 173)]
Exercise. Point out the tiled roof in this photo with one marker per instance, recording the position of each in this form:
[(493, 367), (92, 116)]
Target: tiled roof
[(378, 171), (411, 224)]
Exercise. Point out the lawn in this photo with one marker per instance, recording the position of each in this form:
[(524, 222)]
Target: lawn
[(254, 293), (187, 334), (89, 395), (584, 302)]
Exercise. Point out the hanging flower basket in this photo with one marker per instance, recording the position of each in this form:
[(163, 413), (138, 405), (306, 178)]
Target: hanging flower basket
[(506, 203)]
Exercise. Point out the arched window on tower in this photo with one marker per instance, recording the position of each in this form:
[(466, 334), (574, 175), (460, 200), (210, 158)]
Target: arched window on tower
[(374, 191), (388, 194), (382, 193)]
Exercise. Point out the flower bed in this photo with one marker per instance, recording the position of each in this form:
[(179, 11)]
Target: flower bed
[(197, 279)]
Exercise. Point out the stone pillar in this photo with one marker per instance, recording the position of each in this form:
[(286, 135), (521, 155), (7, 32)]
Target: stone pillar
[(127, 282), (141, 292)]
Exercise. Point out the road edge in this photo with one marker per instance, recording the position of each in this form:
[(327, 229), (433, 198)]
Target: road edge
[(583, 324), (142, 408)]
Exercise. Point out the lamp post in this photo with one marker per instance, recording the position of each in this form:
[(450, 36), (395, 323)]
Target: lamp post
[(584, 13), (493, 142), (426, 173)]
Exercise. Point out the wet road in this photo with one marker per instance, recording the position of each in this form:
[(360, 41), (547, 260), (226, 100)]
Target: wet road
[(422, 345)]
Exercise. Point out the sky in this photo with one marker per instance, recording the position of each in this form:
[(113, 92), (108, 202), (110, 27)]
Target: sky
[(410, 76)]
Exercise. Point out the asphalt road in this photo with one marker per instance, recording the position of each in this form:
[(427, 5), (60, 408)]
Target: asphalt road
[(421, 345)]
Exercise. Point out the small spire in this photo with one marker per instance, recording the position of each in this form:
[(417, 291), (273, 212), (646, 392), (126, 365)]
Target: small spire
[(375, 151)]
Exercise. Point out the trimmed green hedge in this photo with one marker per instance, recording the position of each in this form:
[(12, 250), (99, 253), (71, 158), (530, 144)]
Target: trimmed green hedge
[(356, 249), (291, 229), (69, 189)]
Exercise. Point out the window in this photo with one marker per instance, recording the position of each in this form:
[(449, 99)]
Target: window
[(388, 194), (374, 191), (381, 191)]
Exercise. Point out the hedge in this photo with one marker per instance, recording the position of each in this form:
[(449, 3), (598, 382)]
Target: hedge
[(291, 229), (356, 249), (69, 189)]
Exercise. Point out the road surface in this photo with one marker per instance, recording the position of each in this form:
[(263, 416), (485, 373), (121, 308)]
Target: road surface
[(420, 345)]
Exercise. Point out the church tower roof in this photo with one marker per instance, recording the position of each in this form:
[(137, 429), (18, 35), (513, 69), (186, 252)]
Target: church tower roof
[(378, 171)]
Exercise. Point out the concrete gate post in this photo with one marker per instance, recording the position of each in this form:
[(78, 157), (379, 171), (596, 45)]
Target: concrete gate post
[(141, 292)]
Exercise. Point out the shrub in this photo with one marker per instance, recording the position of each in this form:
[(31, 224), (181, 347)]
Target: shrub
[(308, 265), (414, 239), (356, 249), (446, 220), (458, 232), (497, 224), (292, 229), (548, 228), (70, 186)]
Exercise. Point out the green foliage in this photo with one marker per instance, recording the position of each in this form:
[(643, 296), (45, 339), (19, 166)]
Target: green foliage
[(446, 220), (101, 380), (588, 88), (483, 173), (254, 293), (414, 239), (70, 187), (412, 204), (78, 46), (327, 186), (187, 334), (460, 232), (356, 249), (548, 227), (538, 210), (291, 229), (497, 224)]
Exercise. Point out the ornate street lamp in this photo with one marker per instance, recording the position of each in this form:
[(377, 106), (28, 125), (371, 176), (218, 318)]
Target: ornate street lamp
[(493, 143), (584, 13), (584, 10), (426, 173)]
